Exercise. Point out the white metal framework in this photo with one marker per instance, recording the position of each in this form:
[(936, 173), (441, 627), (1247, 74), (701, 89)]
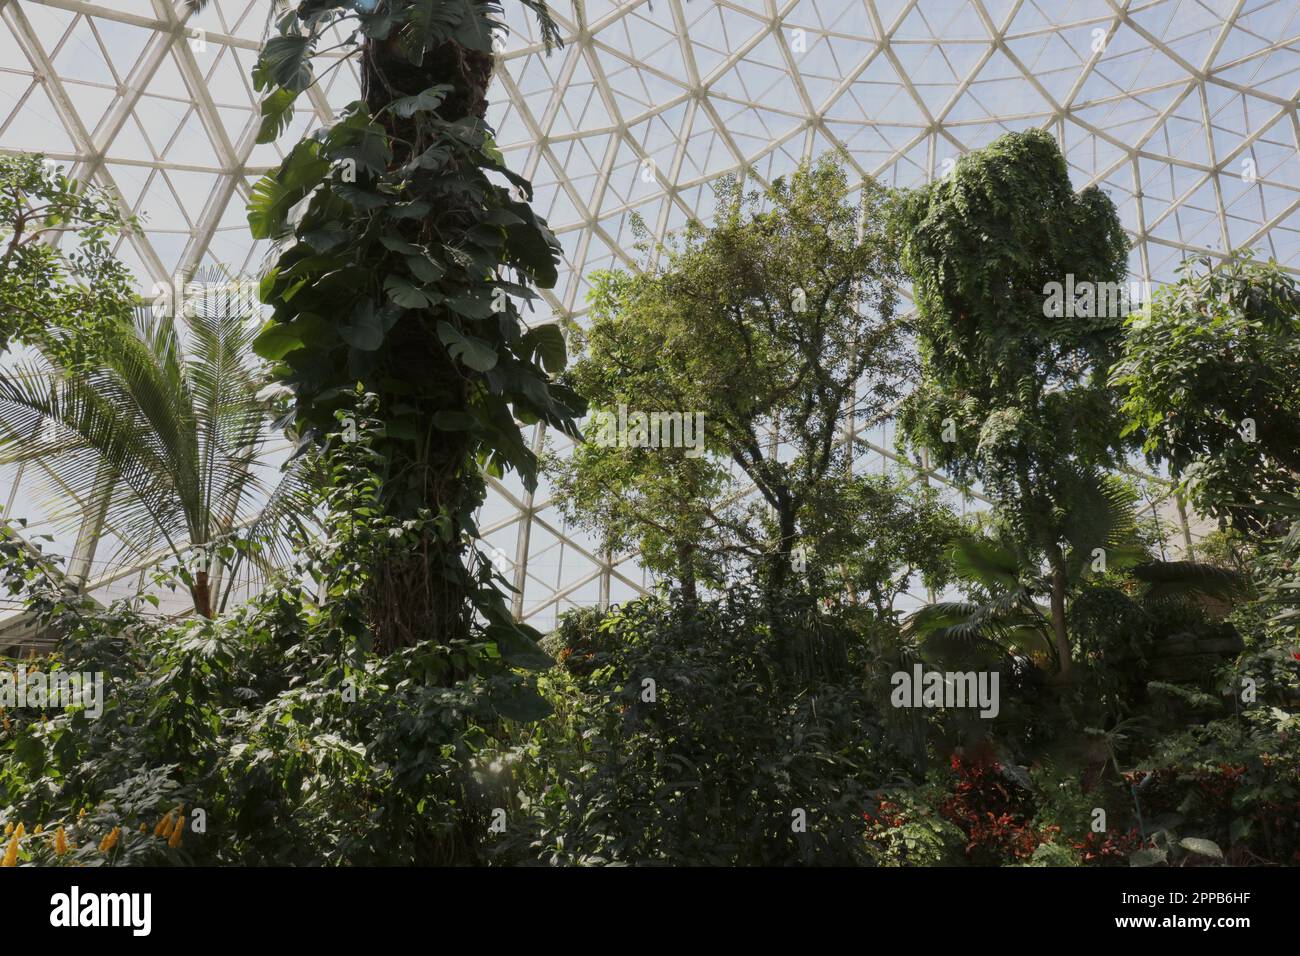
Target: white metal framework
[(1184, 111)]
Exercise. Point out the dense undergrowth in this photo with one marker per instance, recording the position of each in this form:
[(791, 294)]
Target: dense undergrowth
[(662, 735)]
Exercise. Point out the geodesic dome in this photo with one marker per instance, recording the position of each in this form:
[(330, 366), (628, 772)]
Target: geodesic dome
[(1184, 111)]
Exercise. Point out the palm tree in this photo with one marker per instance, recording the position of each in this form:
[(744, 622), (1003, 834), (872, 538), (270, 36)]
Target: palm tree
[(1008, 621), (163, 433), (1101, 516), (1006, 618)]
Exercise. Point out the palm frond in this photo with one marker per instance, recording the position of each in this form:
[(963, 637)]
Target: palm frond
[(1103, 516), (165, 433), (83, 432), (551, 37), (987, 562), (1167, 580), (940, 614)]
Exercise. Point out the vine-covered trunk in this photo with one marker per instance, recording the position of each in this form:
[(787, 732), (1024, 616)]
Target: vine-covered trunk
[(396, 325), (423, 594), (400, 294)]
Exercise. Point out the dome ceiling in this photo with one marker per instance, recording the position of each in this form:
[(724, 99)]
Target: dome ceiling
[(1184, 111)]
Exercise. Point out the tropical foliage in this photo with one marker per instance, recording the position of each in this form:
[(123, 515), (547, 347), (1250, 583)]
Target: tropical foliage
[(403, 260), (163, 435), (1211, 380), (376, 702), (62, 301), (266, 735), (778, 325), (1013, 389)]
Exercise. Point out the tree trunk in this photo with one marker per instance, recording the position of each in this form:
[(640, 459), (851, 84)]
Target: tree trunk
[(423, 594), (686, 575), (792, 654), (201, 592), (1059, 633), (782, 560)]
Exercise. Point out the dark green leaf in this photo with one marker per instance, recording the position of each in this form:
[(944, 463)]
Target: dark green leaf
[(286, 61), (366, 330), (404, 293), (546, 342), (521, 703), (470, 351), (430, 99)]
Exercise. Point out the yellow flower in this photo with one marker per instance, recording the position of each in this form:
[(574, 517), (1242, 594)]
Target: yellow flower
[(110, 841), (11, 853), (82, 814), (177, 831), (60, 842), (40, 828), (164, 827), (9, 828), (143, 828)]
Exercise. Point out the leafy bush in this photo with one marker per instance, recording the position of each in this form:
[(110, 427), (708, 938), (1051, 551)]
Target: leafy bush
[(296, 744), (994, 810), (688, 737), (1234, 782), (906, 830)]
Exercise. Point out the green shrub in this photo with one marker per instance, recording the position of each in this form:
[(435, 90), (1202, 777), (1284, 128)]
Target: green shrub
[(700, 737), (296, 744)]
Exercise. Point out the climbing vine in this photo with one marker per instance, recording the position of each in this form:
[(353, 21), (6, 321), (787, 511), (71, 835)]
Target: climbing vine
[(406, 248)]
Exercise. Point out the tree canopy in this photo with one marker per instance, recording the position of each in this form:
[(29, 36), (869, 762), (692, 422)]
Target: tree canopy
[(778, 323), (1014, 391), (1210, 378), (60, 285)]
